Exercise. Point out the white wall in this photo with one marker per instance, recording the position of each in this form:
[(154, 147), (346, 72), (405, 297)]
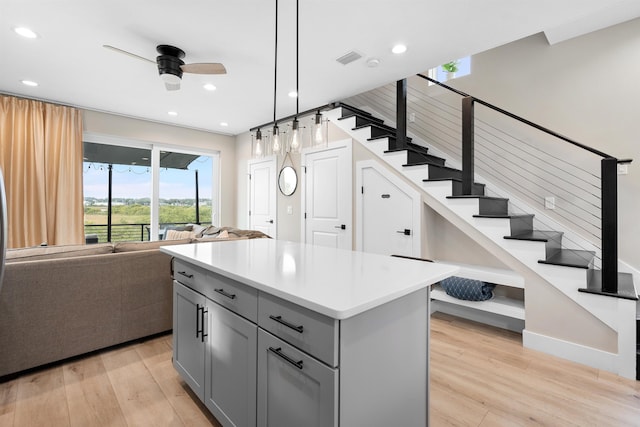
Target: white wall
[(145, 131)]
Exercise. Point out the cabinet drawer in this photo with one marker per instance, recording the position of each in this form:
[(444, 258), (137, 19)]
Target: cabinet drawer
[(190, 275), (233, 295), (309, 331), (294, 389)]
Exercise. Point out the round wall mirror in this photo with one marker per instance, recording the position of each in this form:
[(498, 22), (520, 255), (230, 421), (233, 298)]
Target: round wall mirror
[(288, 180)]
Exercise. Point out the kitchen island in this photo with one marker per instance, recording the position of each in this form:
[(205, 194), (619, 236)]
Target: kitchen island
[(276, 333)]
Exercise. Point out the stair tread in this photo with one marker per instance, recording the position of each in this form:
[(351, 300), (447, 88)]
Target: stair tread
[(449, 179), (391, 130), (537, 235), (626, 290), (366, 117), (473, 196), (349, 107), (429, 163), (570, 258), (505, 216)]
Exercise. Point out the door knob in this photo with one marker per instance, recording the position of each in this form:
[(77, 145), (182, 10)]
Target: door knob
[(341, 226), (270, 221), (406, 232)]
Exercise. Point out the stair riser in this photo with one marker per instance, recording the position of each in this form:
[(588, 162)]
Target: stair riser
[(346, 110), (413, 157), (362, 121), (376, 132), (438, 173), (476, 189), (521, 225), (553, 246), (493, 207)]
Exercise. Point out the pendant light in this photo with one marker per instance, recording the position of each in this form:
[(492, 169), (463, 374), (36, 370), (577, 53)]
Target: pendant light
[(276, 146), (296, 143), (258, 146)]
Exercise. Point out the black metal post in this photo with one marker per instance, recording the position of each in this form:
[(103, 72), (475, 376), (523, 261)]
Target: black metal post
[(401, 113), (609, 182), (197, 200), (109, 204), (467, 145)]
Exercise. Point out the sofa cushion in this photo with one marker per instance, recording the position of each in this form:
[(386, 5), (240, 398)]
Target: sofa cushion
[(143, 246), (177, 235), (62, 251)]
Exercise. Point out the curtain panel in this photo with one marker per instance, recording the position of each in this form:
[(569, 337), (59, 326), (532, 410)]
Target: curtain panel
[(41, 158)]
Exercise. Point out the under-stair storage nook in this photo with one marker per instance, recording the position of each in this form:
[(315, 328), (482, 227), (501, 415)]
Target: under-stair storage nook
[(506, 309)]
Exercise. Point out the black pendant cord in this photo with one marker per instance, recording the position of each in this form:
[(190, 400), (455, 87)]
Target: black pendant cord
[(275, 68), (297, 51)]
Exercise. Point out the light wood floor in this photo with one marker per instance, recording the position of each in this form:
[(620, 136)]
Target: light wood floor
[(480, 376)]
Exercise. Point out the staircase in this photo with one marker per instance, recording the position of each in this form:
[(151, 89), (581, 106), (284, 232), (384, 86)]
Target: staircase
[(542, 252)]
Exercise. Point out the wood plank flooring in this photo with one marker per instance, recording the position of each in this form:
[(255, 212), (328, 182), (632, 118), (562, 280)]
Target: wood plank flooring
[(480, 376)]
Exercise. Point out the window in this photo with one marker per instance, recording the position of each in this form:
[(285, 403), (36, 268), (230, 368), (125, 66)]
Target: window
[(462, 67), (126, 172)]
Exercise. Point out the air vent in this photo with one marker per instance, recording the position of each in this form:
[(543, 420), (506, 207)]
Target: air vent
[(349, 57)]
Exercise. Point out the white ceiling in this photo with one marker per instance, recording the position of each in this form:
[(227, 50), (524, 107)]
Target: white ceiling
[(71, 66)]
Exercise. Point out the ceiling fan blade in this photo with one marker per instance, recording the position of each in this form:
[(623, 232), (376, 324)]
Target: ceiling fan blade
[(133, 55), (204, 68)]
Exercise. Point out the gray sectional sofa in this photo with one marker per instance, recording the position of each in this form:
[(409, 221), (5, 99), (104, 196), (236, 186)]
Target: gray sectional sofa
[(63, 301)]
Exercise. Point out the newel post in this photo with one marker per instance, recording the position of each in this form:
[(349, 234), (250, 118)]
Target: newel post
[(401, 113), (467, 145), (609, 194)]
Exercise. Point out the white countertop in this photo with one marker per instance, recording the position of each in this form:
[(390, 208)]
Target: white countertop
[(334, 282)]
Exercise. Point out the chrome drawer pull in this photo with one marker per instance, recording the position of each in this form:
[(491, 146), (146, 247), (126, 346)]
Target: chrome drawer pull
[(226, 294), (184, 273), (278, 352), (280, 320)]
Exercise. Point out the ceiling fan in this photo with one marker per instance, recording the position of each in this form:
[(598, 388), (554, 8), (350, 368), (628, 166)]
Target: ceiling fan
[(171, 66)]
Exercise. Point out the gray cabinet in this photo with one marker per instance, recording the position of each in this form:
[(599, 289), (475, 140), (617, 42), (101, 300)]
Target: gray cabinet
[(294, 389), (231, 368), (256, 359), (189, 340)]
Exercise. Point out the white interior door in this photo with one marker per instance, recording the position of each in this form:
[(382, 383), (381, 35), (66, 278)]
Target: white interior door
[(328, 196), (263, 196), (388, 213)]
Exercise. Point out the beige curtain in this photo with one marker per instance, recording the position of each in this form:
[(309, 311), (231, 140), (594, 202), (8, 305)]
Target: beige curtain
[(41, 158)]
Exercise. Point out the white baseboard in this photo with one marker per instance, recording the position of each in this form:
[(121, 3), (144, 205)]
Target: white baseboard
[(595, 358)]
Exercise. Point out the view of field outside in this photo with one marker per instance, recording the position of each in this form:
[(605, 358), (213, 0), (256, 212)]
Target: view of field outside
[(131, 198)]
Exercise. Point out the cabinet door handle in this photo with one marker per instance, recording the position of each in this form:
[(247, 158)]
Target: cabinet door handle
[(226, 294), (280, 320), (197, 320), (184, 273), (278, 352), (200, 312)]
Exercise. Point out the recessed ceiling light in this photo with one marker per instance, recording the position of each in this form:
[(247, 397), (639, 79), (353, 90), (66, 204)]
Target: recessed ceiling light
[(209, 86), (224, 124), (25, 32), (293, 94), (145, 158), (399, 48), (29, 83), (172, 113)]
